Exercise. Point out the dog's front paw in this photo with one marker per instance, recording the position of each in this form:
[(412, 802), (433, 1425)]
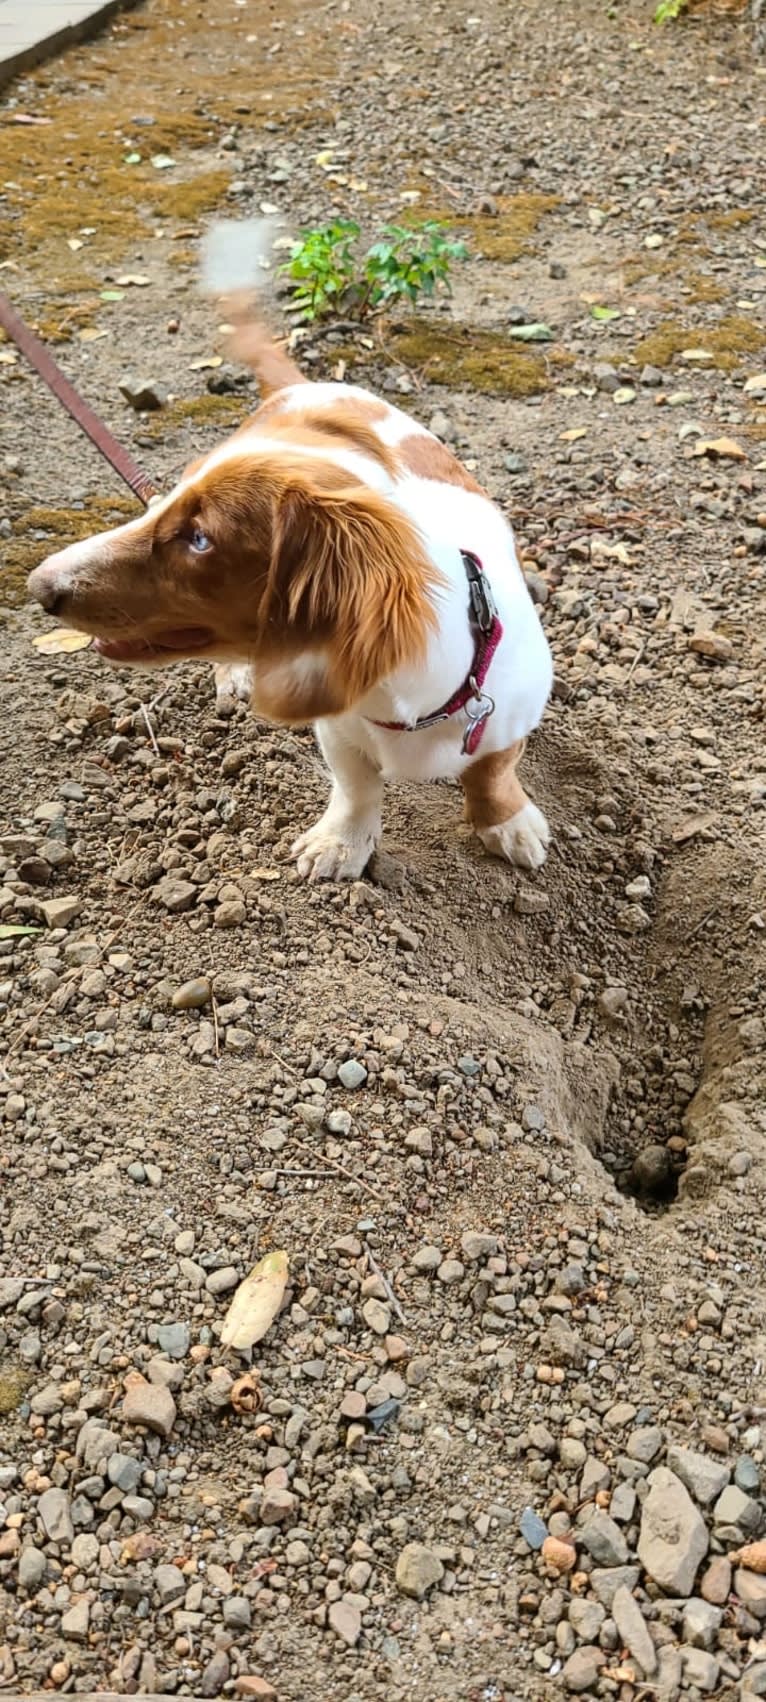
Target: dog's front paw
[(335, 850), (523, 839), (233, 684)]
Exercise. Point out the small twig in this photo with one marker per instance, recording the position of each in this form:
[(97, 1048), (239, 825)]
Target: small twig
[(386, 1284), (214, 1006), (636, 659), (342, 1170), (296, 1170), (150, 730), (158, 699), (708, 917), (291, 1070)]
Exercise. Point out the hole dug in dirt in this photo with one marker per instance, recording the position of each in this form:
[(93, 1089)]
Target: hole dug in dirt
[(639, 1029)]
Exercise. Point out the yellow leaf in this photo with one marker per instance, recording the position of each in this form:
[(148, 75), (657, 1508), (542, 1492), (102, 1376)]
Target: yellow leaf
[(720, 449), (572, 436), (60, 641), (323, 158), (206, 364), (256, 1303)]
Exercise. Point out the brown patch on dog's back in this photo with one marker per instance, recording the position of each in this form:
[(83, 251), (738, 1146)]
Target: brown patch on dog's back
[(427, 458)]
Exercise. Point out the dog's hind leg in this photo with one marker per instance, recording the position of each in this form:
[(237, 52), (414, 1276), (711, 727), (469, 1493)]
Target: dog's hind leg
[(505, 819)]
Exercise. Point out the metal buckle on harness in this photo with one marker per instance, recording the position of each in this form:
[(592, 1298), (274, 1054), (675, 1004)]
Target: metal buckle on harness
[(483, 605), (478, 710)]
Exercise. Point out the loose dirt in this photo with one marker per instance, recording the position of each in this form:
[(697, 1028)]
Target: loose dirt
[(532, 1217)]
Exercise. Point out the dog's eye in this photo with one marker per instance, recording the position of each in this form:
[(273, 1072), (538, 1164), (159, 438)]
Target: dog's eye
[(199, 541)]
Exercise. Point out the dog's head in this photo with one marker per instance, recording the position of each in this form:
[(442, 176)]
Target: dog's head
[(260, 554)]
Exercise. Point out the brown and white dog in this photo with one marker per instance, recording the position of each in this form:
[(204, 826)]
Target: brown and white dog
[(336, 557)]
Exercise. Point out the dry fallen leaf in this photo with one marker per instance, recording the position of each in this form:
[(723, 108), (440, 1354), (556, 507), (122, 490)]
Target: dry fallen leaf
[(256, 1303), (720, 449), (61, 641), (573, 435), (208, 363), (90, 335)]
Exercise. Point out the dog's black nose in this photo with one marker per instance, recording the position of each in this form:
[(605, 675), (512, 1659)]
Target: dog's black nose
[(46, 587)]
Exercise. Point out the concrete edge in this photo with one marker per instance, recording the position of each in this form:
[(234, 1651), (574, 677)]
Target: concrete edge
[(58, 39)]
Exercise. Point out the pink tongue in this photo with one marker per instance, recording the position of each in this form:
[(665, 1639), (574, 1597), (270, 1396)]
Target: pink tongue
[(179, 638)]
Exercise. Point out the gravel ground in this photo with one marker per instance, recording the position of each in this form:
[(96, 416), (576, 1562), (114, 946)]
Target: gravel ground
[(506, 1439)]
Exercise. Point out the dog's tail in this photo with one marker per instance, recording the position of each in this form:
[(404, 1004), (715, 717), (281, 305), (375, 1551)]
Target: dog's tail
[(250, 342), (234, 256)]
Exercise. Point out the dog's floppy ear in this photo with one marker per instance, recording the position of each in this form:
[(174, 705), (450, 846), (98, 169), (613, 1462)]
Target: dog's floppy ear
[(350, 572)]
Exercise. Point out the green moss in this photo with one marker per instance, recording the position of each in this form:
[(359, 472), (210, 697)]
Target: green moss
[(671, 265), (462, 356), (61, 526), (727, 342), (14, 1382), (503, 235), (729, 221), (223, 411), (73, 171)]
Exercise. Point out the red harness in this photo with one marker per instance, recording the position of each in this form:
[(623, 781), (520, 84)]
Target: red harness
[(470, 696)]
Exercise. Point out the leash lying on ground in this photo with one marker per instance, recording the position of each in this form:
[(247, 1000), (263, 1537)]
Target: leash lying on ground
[(52, 376), (232, 255)]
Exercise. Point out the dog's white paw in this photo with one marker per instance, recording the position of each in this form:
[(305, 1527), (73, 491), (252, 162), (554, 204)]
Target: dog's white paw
[(523, 839), (233, 684), (335, 849)]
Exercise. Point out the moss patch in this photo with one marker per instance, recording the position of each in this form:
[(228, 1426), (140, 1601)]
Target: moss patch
[(727, 342), (104, 108), (462, 356), (697, 286), (729, 221), (504, 235), (196, 410), (61, 526), (14, 1382)]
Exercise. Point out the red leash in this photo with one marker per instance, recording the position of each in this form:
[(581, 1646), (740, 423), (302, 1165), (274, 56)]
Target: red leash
[(94, 428)]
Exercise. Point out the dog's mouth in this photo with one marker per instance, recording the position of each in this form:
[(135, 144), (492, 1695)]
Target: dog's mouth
[(179, 641)]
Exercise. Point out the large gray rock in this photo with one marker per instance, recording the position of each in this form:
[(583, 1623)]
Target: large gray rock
[(704, 1478), (673, 1537)]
